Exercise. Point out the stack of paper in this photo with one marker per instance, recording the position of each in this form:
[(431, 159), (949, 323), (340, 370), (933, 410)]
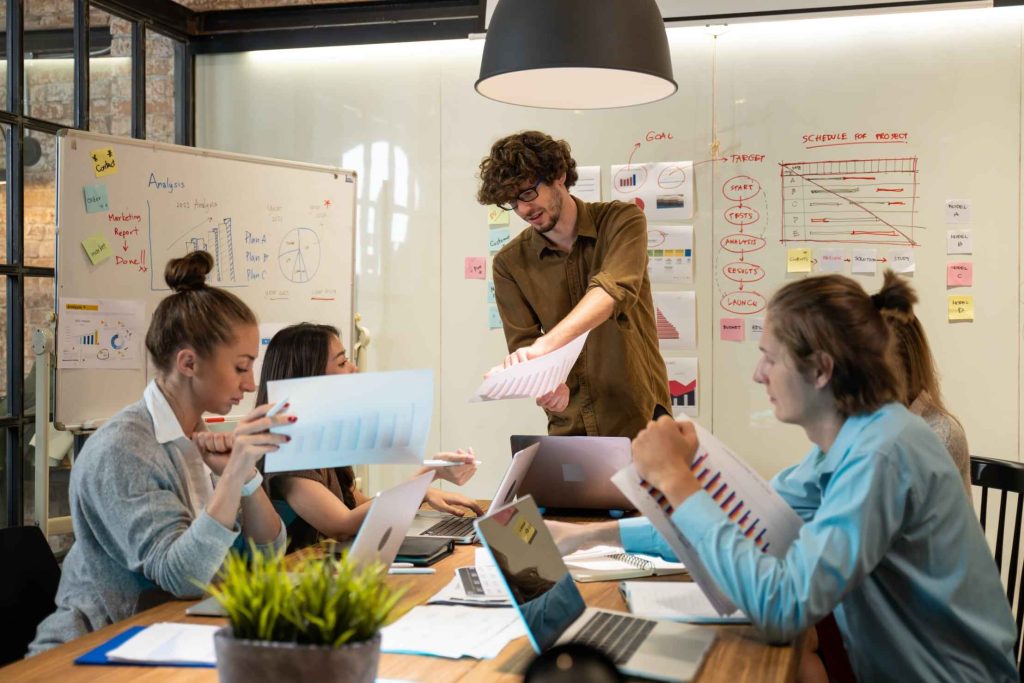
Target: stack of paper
[(452, 632), (481, 586), (676, 601), (532, 378), (169, 643)]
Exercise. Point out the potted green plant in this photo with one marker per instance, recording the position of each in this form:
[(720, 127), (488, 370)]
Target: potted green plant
[(318, 619)]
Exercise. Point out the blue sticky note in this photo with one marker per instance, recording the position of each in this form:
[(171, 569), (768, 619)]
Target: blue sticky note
[(490, 292), (494, 321), (498, 238), (95, 198)]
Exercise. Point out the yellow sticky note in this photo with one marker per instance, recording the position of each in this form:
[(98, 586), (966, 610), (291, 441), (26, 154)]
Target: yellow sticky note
[(96, 248), (961, 307), (798, 261), (496, 215), (103, 161), (525, 530)]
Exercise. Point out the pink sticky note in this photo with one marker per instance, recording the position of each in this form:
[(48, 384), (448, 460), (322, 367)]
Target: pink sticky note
[(476, 267), (959, 274), (731, 329)]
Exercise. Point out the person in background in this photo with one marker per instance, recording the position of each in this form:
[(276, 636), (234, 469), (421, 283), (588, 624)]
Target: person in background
[(914, 363), (156, 500), (579, 267), (326, 502), (890, 545)]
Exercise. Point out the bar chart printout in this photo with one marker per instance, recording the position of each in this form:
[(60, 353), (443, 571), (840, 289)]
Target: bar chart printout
[(853, 201)]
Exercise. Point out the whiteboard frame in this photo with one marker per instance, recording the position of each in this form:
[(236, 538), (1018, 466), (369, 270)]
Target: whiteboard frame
[(72, 136)]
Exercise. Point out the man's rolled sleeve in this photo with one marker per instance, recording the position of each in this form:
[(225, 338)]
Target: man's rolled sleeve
[(625, 264)]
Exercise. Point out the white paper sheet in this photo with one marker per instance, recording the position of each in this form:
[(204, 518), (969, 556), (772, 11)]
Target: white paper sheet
[(372, 418), (588, 183), (533, 378), (101, 334), (676, 319), (677, 601), (169, 643), (494, 593), (682, 385), (670, 253), (452, 632)]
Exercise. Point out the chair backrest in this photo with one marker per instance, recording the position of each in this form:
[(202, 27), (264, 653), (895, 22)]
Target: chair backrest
[(29, 576), (1002, 478)]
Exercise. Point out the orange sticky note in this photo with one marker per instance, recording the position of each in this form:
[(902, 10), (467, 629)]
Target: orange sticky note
[(960, 274), (731, 329)]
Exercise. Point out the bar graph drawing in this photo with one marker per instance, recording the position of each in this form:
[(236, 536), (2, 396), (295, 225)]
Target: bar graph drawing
[(858, 201), (218, 240)]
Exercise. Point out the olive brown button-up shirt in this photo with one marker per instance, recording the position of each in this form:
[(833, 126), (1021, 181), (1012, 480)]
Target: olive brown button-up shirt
[(620, 376)]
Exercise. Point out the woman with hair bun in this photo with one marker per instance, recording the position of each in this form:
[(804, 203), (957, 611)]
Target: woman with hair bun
[(890, 545), (156, 500), (915, 365)]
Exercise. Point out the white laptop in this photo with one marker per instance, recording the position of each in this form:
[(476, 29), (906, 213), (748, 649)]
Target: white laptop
[(460, 529), (553, 611), (379, 537), (388, 520)]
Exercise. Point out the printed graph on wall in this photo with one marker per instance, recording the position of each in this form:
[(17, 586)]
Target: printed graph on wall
[(663, 190), (682, 385), (853, 201), (675, 316), (670, 253)]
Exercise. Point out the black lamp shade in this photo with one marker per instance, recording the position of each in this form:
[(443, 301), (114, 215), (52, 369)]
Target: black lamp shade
[(576, 54)]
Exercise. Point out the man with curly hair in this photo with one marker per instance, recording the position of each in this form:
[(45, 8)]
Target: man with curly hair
[(579, 267)]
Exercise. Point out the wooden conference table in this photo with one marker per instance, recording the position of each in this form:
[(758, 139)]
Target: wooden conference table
[(737, 656)]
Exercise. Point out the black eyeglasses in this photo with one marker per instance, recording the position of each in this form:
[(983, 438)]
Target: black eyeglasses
[(527, 195)]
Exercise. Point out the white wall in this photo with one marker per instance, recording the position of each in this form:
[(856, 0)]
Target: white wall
[(951, 80)]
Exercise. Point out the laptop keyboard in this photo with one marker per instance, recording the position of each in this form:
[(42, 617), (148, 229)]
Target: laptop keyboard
[(452, 526), (618, 636)]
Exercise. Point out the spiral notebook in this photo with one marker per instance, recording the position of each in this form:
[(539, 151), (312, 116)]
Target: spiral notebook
[(610, 563)]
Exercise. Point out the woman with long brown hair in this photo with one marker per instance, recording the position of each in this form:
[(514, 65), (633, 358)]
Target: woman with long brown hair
[(326, 501)]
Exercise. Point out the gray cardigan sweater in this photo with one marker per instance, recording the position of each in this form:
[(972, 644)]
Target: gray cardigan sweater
[(138, 541)]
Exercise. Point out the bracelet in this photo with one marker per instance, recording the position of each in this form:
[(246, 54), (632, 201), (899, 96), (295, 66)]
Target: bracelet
[(249, 487)]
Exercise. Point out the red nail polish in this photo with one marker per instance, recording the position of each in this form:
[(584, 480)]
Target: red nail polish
[(292, 418)]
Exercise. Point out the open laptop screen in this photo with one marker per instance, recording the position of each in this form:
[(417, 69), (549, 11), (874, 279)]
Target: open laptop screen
[(540, 585)]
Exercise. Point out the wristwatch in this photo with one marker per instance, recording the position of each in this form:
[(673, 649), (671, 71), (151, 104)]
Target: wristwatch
[(249, 487)]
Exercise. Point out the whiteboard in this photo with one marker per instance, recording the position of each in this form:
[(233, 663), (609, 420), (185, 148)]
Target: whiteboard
[(281, 234), (758, 89)]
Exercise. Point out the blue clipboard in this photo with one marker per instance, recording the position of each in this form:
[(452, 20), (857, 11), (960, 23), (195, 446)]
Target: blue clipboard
[(98, 656)]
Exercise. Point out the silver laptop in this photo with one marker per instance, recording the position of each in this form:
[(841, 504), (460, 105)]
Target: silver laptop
[(574, 472), (380, 535), (553, 611), (460, 529)]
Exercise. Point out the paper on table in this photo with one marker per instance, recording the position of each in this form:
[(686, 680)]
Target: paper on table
[(452, 631), (533, 378), (676, 601), (455, 591), (169, 643), (371, 418)]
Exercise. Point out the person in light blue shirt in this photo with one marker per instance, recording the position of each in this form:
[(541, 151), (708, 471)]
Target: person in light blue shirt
[(890, 544)]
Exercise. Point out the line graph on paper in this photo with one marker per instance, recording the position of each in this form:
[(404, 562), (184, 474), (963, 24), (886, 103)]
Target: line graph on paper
[(851, 201)]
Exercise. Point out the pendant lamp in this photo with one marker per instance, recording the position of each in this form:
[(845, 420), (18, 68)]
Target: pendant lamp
[(576, 54)]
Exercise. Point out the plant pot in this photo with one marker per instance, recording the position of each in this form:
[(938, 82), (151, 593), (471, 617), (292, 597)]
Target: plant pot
[(258, 661)]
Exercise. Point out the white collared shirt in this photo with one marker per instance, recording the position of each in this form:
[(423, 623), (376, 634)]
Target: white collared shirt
[(169, 434)]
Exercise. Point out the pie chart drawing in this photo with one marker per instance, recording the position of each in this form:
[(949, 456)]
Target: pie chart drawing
[(299, 255), (671, 178)]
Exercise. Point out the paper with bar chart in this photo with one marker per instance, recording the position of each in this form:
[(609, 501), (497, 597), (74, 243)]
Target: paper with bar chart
[(670, 253), (358, 419), (675, 318), (533, 378), (682, 385), (101, 333), (663, 190), (743, 495)]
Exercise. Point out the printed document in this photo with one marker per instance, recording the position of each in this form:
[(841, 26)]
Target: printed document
[(373, 418), (532, 378)]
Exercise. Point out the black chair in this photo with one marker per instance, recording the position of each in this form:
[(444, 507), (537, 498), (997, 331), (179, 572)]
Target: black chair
[(1003, 477), (29, 576)]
